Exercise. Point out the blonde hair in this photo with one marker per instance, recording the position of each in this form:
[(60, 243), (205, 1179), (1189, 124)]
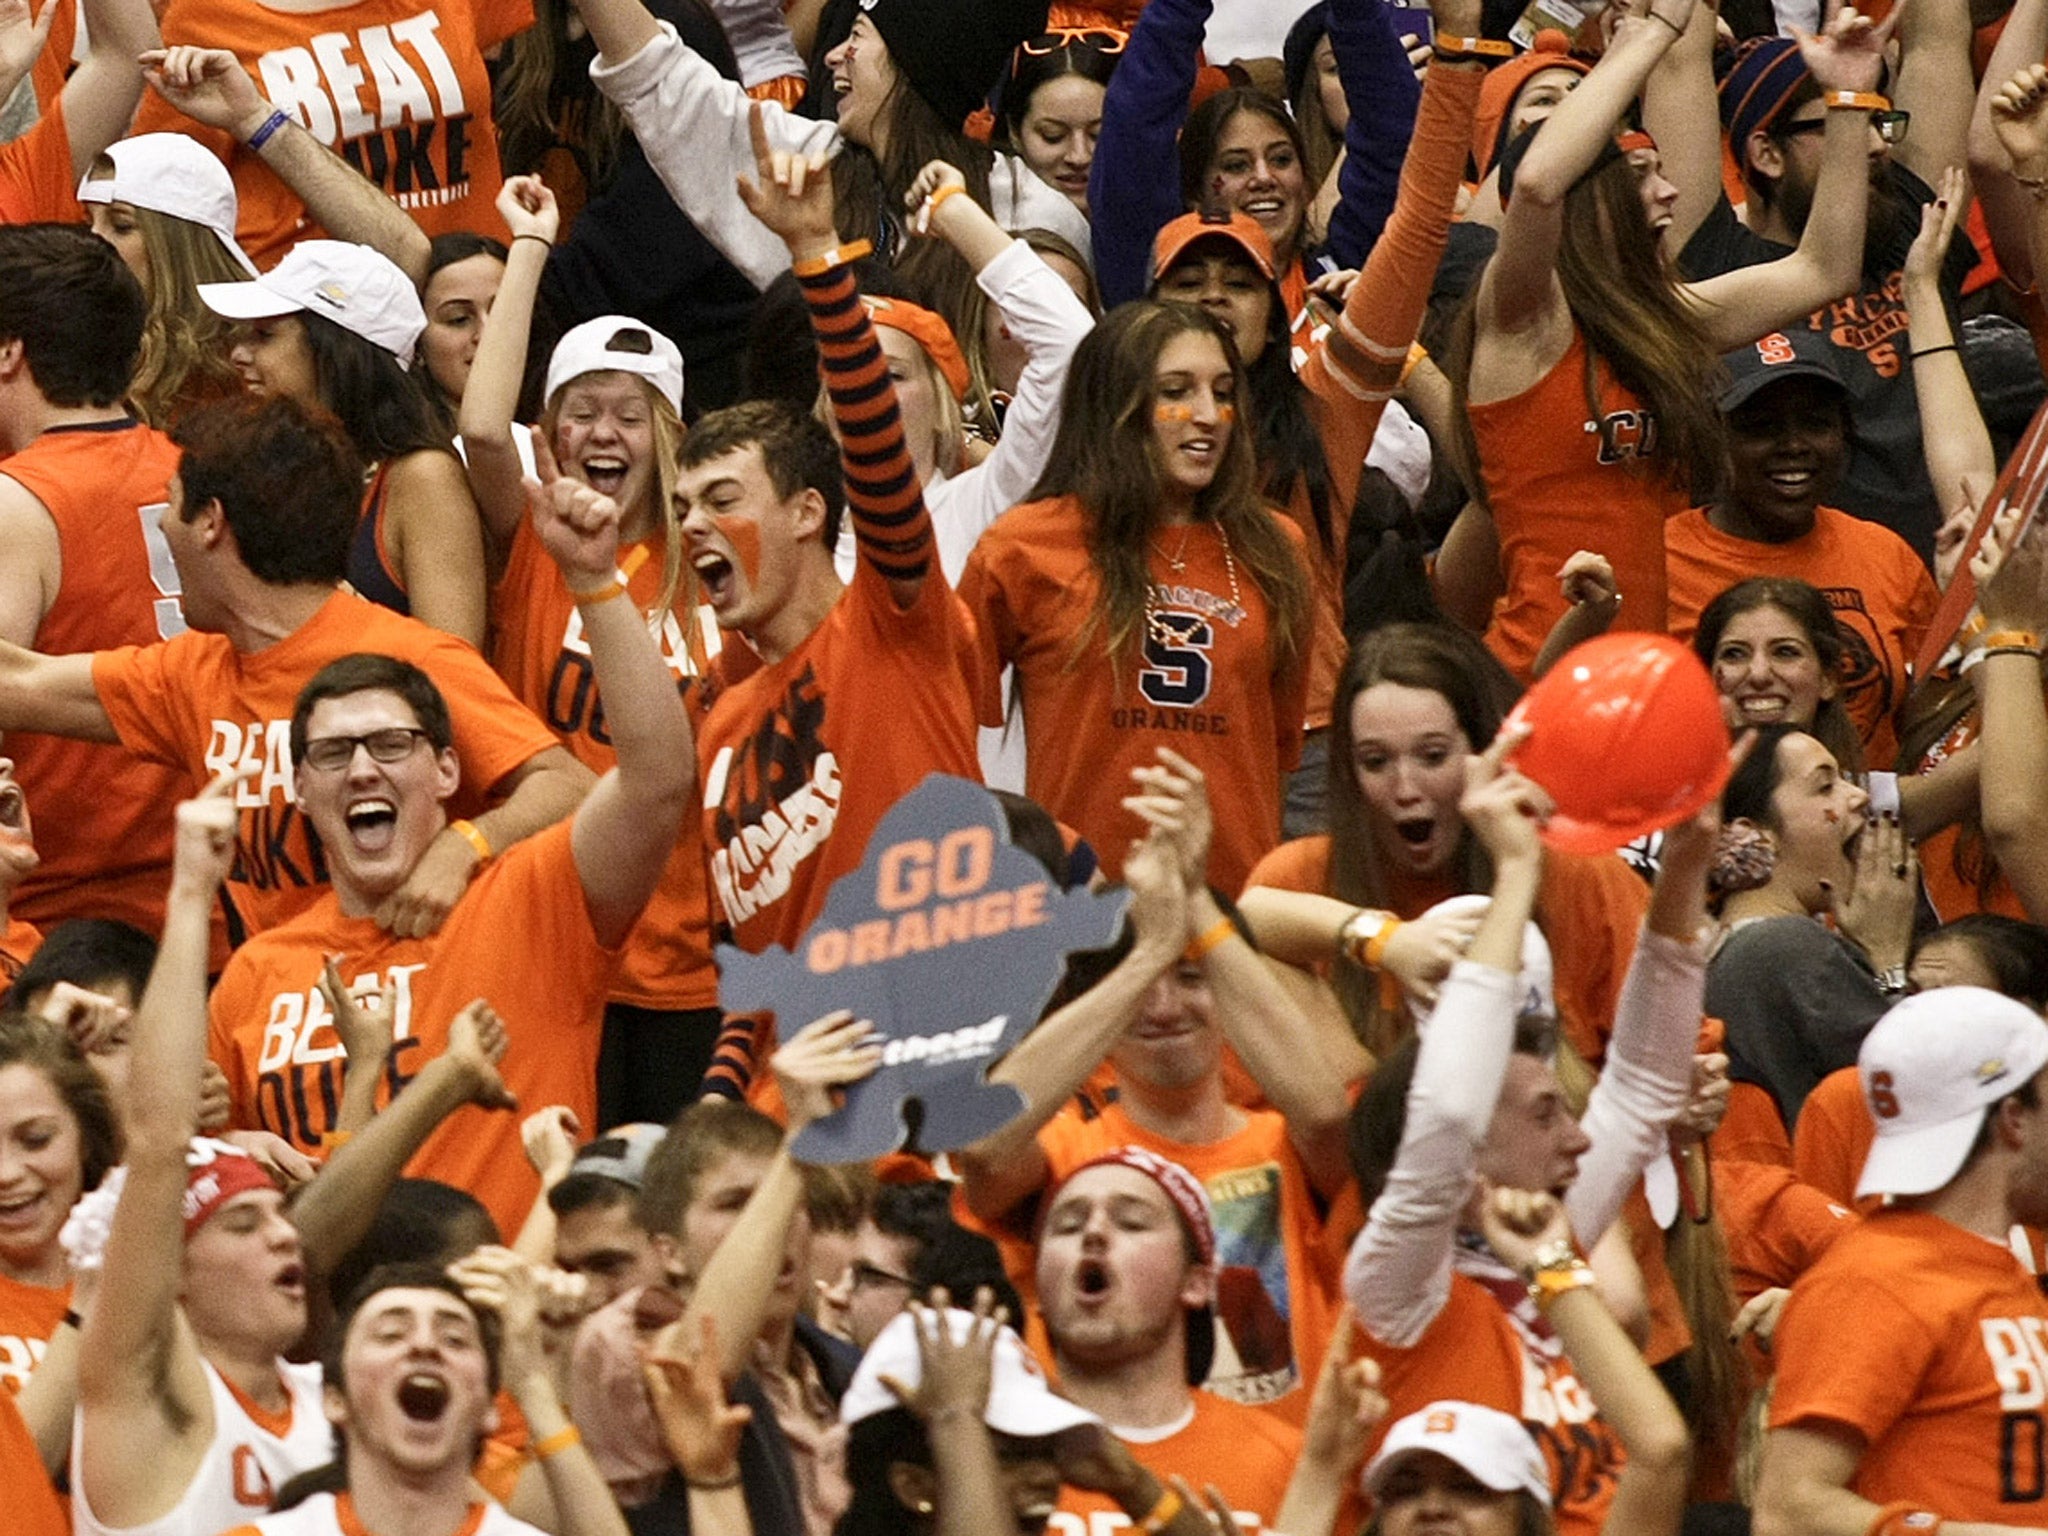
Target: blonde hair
[(949, 433), (184, 357), (668, 447)]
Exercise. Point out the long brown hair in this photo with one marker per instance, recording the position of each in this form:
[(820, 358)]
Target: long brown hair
[(667, 450), (1633, 316), (184, 358), (1103, 456), (1442, 660)]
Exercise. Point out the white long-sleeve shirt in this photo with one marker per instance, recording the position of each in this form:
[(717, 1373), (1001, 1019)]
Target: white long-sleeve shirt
[(692, 124), (1397, 1276)]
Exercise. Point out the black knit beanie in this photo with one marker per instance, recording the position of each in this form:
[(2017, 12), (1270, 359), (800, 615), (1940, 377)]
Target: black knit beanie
[(954, 51)]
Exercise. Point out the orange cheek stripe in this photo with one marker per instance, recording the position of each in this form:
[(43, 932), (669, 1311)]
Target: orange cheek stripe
[(1166, 415), (744, 535), (1226, 414)]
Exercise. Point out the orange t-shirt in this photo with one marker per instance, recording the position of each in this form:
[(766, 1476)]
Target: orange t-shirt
[(801, 761), (18, 945), (1590, 909), (1207, 684), (396, 88), (109, 853), (1476, 1351), (520, 937), (1955, 860), (537, 646), (1881, 595), (1776, 1226), (29, 1314), (1277, 1298), (199, 704), (1560, 479), (1931, 1343), (37, 184), (33, 1508), (1829, 1153), (1248, 1455)]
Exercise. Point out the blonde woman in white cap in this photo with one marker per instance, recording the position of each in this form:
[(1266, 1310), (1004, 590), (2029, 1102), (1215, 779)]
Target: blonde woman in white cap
[(168, 208), (610, 419), (334, 325)]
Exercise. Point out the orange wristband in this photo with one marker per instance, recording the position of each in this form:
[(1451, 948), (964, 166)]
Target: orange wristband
[(1857, 101), (558, 1442), (1218, 933), (596, 595), (1904, 1519), (2011, 640), (838, 256), (467, 831)]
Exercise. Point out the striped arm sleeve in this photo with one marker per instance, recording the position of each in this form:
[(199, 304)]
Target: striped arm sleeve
[(733, 1059), (890, 523)]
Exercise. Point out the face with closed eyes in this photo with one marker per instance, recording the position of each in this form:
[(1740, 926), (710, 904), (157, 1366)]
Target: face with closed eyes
[(41, 1168), (1114, 1272)]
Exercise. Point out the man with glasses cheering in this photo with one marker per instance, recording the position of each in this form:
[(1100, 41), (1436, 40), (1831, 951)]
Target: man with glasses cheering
[(538, 929), (1773, 113)]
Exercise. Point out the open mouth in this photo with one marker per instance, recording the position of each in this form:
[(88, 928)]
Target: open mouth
[(13, 807), (1091, 1278), (1791, 479), (372, 824), (292, 1280), (1763, 708), (1263, 207), (423, 1397), (1416, 831), (606, 476), (714, 577)]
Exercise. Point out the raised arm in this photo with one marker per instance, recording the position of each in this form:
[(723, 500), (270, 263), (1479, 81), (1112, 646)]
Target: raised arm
[(738, 1281), (1960, 460), (1683, 114), (1134, 183), (101, 96), (22, 38), (2012, 594), (2011, 211), (1041, 312), (1269, 1032), (1520, 287), (141, 1383), (1523, 1229), (792, 195), (625, 829), (484, 419), (694, 126), (1936, 84), (210, 86), (51, 693), (1753, 301), (1398, 1273), (1049, 1065), (1380, 89), (334, 1212)]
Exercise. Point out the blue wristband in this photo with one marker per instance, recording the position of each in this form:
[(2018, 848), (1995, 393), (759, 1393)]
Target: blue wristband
[(271, 124)]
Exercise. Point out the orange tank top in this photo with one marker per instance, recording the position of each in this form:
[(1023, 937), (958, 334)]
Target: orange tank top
[(1562, 477)]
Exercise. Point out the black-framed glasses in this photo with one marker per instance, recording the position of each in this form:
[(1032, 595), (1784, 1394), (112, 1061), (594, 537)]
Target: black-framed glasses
[(1891, 125), (867, 1277), (393, 744), (1053, 39)]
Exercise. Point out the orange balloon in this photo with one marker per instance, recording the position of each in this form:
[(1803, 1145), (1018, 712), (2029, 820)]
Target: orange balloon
[(1626, 737)]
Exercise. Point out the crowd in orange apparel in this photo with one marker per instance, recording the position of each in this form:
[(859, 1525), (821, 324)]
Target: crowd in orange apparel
[(498, 504)]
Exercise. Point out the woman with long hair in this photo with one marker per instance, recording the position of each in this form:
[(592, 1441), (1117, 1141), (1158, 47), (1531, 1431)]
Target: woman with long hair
[(1580, 320), (463, 273), (609, 419), (418, 548), (168, 208), (1354, 904), (1051, 97), (1316, 412), (1145, 595)]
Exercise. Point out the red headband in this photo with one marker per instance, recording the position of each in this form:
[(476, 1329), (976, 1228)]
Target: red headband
[(1181, 1187), (1635, 139), (217, 1172)]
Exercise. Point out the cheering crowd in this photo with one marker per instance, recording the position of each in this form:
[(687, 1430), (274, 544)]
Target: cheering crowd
[(1481, 529)]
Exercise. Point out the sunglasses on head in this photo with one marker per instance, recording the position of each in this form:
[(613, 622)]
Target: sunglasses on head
[(1053, 39), (1891, 126)]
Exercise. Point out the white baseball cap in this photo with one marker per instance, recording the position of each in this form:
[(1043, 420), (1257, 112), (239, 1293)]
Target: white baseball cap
[(357, 288), (1535, 985), (617, 344), (1490, 1445), (1020, 1400), (171, 174), (1930, 1068)]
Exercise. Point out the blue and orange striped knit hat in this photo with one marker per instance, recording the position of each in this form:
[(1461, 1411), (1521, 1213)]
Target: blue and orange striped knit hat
[(1766, 73)]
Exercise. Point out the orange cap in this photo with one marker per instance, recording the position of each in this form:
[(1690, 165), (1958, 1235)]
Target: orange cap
[(1626, 737), (929, 332), (1184, 231), (1550, 50)]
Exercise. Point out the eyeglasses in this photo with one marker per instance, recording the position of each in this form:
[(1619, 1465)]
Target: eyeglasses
[(866, 1277), (1891, 126), (1053, 39), (393, 744)]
